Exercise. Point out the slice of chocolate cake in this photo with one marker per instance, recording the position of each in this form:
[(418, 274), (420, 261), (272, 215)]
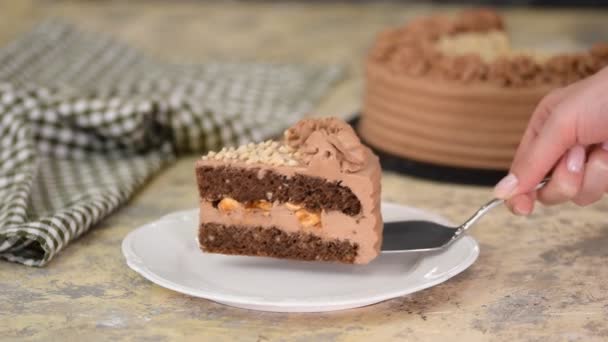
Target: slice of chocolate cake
[(313, 196)]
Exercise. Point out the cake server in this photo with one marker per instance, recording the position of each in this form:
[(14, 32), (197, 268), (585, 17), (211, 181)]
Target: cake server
[(424, 236)]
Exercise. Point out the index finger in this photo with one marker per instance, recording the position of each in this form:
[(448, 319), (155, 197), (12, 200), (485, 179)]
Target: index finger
[(543, 151), (537, 120)]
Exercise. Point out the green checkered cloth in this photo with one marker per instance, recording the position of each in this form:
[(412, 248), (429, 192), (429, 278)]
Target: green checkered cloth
[(86, 120)]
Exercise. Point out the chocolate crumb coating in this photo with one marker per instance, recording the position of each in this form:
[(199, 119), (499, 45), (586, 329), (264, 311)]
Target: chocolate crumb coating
[(273, 242)]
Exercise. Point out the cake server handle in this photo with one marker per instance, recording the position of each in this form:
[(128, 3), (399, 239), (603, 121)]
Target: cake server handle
[(489, 206)]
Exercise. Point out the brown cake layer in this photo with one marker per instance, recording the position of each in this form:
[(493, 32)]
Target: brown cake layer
[(243, 185), (273, 242)]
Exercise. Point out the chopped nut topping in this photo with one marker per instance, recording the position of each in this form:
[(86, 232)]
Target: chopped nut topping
[(307, 218), (293, 207), (228, 204), (262, 204), (268, 152)]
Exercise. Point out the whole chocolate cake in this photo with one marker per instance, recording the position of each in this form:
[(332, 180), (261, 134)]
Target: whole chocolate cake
[(454, 92), (313, 196)]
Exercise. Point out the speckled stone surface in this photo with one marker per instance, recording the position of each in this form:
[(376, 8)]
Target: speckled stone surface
[(539, 278)]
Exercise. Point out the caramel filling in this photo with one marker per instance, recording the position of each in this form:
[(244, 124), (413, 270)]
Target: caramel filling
[(306, 218)]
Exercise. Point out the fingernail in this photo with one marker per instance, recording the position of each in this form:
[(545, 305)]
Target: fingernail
[(605, 145), (506, 186), (576, 159), (521, 210)]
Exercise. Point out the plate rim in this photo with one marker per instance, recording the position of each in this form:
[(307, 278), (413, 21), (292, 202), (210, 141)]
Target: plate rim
[(137, 265)]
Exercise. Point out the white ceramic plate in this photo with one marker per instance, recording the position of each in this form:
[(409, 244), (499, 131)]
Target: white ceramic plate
[(166, 252)]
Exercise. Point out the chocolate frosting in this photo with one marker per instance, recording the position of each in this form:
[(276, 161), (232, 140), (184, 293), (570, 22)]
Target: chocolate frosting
[(329, 142), (411, 50)]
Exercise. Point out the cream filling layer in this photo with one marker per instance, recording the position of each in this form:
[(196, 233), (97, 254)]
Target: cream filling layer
[(332, 225)]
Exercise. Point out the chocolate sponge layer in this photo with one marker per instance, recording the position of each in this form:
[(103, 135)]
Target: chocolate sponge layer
[(243, 184), (273, 242)]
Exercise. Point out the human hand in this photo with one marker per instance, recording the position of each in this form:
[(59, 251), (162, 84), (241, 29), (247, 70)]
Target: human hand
[(567, 133)]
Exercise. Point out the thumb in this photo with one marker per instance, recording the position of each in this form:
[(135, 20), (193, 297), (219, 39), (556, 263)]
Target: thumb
[(544, 149)]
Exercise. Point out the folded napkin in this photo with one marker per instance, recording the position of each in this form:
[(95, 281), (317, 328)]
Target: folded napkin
[(86, 120)]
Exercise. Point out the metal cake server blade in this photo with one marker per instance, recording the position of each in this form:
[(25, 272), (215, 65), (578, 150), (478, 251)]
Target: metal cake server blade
[(423, 236)]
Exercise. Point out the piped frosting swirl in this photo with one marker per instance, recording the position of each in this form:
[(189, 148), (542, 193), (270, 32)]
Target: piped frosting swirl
[(327, 141)]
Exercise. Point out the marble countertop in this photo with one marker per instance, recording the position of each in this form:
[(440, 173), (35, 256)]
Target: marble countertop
[(536, 278)]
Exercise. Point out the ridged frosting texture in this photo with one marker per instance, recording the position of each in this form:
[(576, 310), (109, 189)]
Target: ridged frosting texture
[(412, 50)]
